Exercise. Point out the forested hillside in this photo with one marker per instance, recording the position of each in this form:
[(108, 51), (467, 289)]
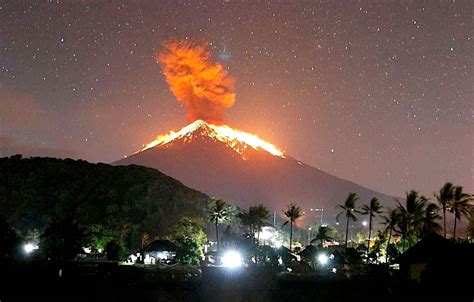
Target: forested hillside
[(113, 201)]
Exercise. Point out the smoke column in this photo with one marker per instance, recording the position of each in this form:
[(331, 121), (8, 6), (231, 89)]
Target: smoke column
[(204, 87)]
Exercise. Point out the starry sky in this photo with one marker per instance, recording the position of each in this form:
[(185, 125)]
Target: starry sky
[(376, 92)]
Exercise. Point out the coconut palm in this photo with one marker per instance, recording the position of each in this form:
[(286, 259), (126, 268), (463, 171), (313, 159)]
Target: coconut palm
[(410, 222), (293, 213), (218, 213), (372, 209), (460, 206), (246, 221), (348, 209), (430, 224), (259, 214), (444, 198), (323, 235), (390, 221), (470, 227)]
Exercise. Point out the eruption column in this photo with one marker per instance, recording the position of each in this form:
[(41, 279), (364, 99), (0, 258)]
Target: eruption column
[(204, 87)]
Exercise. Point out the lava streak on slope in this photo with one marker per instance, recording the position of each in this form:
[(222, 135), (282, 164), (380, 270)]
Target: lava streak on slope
[(238, 140)]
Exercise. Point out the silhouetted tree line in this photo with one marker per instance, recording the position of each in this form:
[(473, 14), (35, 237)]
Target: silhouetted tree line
[(73, 201)]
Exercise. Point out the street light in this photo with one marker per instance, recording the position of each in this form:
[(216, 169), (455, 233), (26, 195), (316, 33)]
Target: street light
[(322, 259), (29, 247), (364, 223), (232, 259)]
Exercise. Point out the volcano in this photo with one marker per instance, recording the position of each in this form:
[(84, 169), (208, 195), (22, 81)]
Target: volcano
[(245, 170)]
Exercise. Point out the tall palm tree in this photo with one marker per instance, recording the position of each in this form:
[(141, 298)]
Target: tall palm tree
[(372, 209), (444, 198), (390, 221), (460, 206), (470, 227), (218, 213), (410, 222), (323, 235), (293, 213), (430, 224), (259, 214), (348, 209)]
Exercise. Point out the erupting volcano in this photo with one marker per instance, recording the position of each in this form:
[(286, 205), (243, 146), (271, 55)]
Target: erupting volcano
[(225, 162), (238, 140), (207, 90)]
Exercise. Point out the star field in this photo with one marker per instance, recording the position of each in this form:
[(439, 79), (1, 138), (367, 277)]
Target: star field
[(376, 92)]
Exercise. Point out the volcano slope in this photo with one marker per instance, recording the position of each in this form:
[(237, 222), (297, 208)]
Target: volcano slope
[(243, 175)]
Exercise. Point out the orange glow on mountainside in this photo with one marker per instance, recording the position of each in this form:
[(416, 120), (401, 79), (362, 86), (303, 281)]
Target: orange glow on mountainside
[(238, 140)]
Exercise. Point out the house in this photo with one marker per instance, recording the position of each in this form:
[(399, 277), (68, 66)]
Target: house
[(159, 251), (309, 253), (433, 250)]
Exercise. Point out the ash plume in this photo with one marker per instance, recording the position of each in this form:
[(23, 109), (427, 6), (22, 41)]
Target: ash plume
[(203, 86)]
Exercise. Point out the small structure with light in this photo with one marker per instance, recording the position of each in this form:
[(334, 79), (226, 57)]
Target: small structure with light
[(231, 259), (159, 251)]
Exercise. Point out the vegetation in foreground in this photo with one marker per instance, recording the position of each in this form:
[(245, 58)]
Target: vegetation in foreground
[(123, 213)]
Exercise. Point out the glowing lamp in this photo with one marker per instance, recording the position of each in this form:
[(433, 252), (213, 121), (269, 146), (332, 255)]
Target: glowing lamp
[(29, 247), (322, 259), (231, 259)]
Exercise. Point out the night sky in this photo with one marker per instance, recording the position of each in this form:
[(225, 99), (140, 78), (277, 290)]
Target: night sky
[(376, 92)]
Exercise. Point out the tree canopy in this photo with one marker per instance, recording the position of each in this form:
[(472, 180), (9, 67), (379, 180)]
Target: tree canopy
[(126, 201)]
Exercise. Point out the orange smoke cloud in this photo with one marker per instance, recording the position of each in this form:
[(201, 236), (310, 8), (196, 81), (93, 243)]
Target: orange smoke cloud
[(204, 87)]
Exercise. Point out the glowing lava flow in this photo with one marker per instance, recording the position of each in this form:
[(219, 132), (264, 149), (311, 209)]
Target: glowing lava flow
[(236, 139)]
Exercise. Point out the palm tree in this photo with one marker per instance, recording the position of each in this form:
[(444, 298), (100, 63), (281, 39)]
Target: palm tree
[(218, 213), (372, 210), (391, 221), (323, 235), (348, 208), (470, 227), (460, 206), (444, 198), (430, 224), (259, 214), (293, 213), (410, 222)]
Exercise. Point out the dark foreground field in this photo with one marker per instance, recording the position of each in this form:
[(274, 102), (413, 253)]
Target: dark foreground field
[(110, 282)]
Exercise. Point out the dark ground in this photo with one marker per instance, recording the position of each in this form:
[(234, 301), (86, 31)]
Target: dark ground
[(110, 282)]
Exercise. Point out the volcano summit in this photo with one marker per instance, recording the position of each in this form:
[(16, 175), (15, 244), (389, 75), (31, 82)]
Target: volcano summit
[(244, 170)]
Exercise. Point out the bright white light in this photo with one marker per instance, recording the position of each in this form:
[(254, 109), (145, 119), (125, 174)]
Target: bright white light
[(266, 233), (148, 259), (30, 247), (132, 258), (231, 259), (87, 250), (162, 255), (364, 223), (323, 259)]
